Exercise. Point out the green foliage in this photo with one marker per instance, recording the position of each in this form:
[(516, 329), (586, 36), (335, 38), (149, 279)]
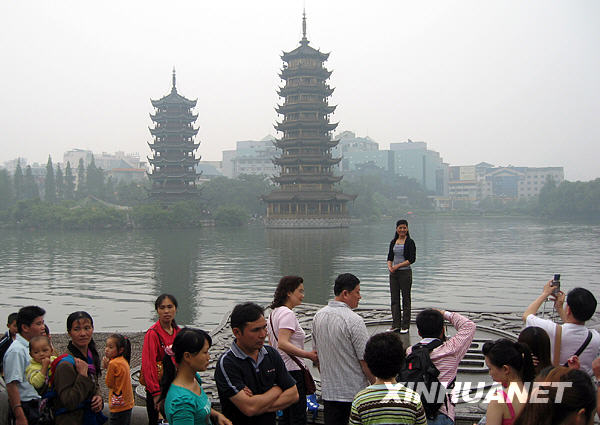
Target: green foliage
[(18, 181), (382, 193), (570, 199), (69, 183), (49, 182), (243, 192), (6, 190), (81, 191), (132, 193), (185, 214), (231, 216), (60, 184), (95, 180), (30, 189), (66, 216)]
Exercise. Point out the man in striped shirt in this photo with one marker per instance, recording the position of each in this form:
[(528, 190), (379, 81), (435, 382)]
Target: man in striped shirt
[(446, 357)]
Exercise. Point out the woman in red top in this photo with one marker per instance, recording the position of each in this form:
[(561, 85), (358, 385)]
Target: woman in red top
[(158, 337)]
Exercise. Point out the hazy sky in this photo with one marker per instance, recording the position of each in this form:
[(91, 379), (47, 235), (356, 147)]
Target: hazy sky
[(507, 82)]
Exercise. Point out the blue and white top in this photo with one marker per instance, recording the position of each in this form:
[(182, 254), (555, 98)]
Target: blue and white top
[(399, 256)]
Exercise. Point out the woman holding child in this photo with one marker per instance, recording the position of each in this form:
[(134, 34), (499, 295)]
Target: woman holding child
[(76, 379), (159, 337), (287, 336)]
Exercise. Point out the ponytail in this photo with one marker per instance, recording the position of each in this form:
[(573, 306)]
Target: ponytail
[(514, 354), (122, 343)]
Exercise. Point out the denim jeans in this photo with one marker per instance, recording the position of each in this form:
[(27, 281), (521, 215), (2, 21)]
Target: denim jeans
[(440, 419)]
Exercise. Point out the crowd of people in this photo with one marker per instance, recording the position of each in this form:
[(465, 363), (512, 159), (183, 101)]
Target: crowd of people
[(364, 379)]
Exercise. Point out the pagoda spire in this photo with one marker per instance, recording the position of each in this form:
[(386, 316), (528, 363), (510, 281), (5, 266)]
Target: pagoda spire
[(304, 39), (173, 89)]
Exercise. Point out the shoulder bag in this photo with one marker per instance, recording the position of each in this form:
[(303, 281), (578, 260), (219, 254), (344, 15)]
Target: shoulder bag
[(309, 382)]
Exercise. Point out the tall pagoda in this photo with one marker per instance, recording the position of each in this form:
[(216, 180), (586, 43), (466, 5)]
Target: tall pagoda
[(306, 197), (173, 162)]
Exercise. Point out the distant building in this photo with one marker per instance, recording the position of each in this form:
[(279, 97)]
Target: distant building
[(251, 157), (473, 183), (360, 152), (118, 166), (414, 160)]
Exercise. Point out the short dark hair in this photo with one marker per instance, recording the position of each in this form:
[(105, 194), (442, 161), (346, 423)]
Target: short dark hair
[(385, 355), (27, 315), (430, 323), (11, 318), (582, 303), (245, 313), (345, 282)]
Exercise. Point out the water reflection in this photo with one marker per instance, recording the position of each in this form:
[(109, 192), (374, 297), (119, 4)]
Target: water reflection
[(309, 253), (175, 263)]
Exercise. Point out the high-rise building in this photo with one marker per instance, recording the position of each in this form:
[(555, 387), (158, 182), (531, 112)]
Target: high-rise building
[(173, 162), (306, 196)]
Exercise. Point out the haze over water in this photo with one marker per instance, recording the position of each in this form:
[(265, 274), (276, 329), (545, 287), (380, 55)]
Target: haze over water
[(474, 264)]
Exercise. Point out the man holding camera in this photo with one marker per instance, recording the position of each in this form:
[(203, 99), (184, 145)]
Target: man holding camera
[(573, 337)]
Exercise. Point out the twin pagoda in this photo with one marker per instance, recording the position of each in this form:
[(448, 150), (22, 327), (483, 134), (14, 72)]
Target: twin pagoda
[(305, 196)]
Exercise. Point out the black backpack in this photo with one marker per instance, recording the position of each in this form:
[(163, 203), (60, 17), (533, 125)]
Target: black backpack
[(420, 375), (4, 344)]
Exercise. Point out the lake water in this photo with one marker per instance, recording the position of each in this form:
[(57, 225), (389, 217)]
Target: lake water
[(473, 264)]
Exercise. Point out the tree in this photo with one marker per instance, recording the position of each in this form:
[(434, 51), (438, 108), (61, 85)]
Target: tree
[(95, 180), (81, 189), (50, 183), (30, 189), (109, 190), (60, 184), (69, 183), (6, 189), (18, 182)]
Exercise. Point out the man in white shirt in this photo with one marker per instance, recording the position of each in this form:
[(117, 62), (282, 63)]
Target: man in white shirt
[(340, 336), (581, 306)]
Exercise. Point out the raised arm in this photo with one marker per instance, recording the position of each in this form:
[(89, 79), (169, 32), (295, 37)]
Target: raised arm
[(537, 303)]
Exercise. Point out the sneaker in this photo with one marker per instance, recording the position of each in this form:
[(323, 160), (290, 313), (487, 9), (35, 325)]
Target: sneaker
[(393, 330), (403, 331)]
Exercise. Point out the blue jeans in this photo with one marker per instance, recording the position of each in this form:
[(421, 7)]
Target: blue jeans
[(440, 419)]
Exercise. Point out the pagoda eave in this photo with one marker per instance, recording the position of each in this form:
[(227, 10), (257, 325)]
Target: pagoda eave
[(289, 196)]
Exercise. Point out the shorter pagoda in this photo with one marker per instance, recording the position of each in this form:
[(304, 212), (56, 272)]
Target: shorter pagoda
[(173, 162), (306, 196)]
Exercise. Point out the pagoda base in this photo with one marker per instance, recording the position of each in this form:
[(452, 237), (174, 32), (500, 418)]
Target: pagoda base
[(307, 222)]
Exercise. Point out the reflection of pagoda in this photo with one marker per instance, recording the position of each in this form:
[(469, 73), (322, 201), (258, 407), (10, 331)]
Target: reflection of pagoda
[(306, 197), (174, 163)]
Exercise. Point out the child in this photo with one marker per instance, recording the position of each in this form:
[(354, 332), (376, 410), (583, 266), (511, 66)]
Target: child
[(118, 380), (8, 338), (38, 371)]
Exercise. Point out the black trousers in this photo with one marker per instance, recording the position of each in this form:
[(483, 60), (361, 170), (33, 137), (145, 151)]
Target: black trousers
[(400, 282), (296, 413), (152, 412), (336, 412), (31, 409), (120, 418)]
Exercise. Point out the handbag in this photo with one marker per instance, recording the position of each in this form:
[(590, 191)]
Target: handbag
[(159, 365), (309, 382)]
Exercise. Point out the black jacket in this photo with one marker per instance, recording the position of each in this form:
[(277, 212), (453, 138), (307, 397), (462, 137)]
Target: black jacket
[(410, 250)]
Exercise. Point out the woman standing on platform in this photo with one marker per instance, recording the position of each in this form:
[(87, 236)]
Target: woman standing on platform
[(160, 336), (401, 254), (287, 336)]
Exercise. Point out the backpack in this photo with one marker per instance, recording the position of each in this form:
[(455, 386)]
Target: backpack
[(47, 409), (4, 344), (421, 375)]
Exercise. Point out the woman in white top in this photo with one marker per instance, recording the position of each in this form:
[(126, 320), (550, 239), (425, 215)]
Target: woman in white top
[(287, 336)]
